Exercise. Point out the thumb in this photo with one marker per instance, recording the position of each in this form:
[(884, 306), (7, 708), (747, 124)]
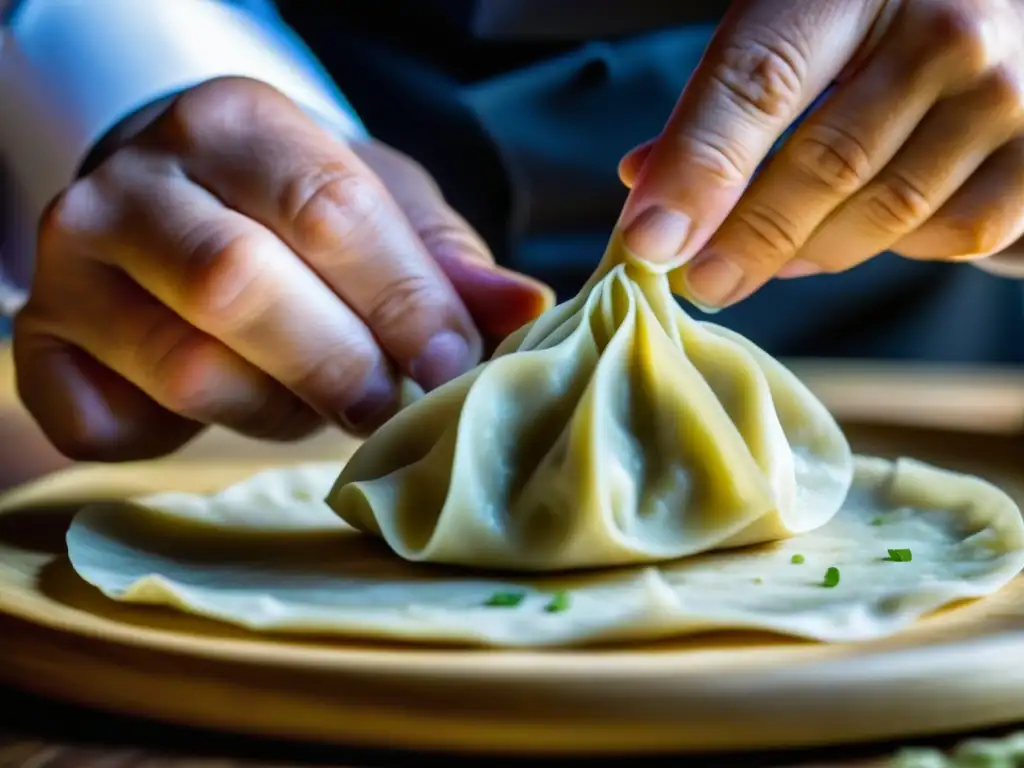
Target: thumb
[(498, 299)]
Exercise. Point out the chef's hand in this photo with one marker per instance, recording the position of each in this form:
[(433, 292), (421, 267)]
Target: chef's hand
[(235, 265), (919, 148)]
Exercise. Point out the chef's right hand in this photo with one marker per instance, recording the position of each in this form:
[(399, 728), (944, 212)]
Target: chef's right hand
[(234, 264)]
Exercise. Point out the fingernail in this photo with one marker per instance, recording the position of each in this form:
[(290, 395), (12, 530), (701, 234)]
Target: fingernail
[(379, 400), (713, 280), (799, 268), (658, 235), (446, 356)]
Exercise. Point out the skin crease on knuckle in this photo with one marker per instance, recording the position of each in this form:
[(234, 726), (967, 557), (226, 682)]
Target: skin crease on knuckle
[(895, 206), (346, 373), (773, 235), (329, 205), (833, 158), (763, 76), (714, 154), (406, 304), (221, 289), (443, 233)]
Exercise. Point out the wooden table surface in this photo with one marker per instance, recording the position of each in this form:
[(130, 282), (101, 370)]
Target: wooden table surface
[(36, 733)]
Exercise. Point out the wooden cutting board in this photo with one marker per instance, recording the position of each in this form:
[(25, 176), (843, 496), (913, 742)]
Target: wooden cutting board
[(960, 670)]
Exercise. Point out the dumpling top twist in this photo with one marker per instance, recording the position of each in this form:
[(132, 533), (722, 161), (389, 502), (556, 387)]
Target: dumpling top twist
[(613, 430)]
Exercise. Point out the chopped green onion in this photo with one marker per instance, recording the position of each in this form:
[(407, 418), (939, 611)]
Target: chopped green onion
[(559, 603), (878, 521), (505, 599), (831, 577), (900, 555), (796, 559)]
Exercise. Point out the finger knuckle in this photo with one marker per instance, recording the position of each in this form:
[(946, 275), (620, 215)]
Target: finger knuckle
[(763, 77), (721, 161), (331, 206), (897, 205), (119, 168), (221, 287), (957, 31), (406, 304), (833, 158), (1005, 86), (775, 235), (439, 234), (75, 213), (212, 111)]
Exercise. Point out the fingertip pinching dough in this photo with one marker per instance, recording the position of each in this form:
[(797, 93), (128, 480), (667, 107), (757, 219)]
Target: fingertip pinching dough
[(617, 471)]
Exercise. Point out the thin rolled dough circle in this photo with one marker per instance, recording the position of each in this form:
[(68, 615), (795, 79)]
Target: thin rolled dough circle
[(266, 554)]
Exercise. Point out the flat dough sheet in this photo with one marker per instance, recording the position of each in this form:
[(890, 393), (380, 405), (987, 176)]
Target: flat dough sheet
[(268, 554)]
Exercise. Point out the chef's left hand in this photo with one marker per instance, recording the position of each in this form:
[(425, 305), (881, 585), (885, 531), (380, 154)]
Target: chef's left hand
[(919, 148)]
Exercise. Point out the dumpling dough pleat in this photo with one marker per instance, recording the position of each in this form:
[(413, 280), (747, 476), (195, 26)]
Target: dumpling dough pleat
[(613, 430)]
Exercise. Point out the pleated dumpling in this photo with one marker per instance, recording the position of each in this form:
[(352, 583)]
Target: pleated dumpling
[(614, 429)]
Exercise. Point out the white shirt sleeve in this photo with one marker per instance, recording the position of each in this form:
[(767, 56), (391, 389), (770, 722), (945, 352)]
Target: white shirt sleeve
[(71, 70)]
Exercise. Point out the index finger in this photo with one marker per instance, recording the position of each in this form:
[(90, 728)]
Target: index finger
[(765, 65)]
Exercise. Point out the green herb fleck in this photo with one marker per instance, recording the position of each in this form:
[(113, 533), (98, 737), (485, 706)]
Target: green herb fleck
[(900, 555), (831, 577), (796, 559), (558, 603), (878, 521), (758, 580), (505, 599)]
